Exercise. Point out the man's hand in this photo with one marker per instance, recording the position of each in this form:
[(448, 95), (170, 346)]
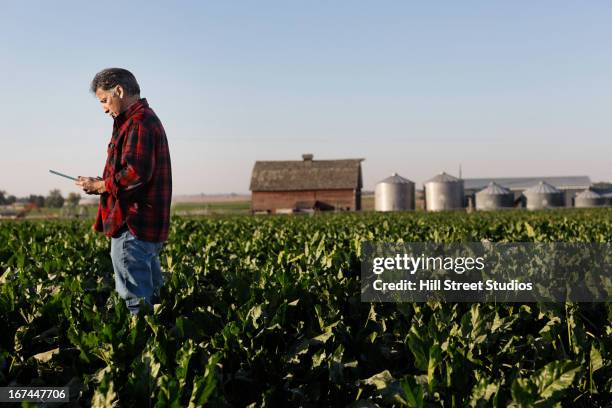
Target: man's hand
[(91, 185)]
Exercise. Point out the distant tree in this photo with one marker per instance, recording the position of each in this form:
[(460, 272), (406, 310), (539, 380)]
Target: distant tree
[(73, 199), (2, 197), (11, 199), (37, 200), (54, 199)]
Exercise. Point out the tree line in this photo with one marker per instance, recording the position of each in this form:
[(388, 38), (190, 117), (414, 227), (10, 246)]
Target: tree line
[(53, 200)]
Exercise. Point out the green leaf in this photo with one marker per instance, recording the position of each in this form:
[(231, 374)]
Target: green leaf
[(380, 380), (183, 358), (413, 392), (482, 393), (204, 386), (435, 357), (547, 384), (141, 381), (596, 360), (523, 392), (418, 348), (105, 395), (529, 229), (335, 366), (555, 377), (387, 386), (318, 358), (255, 313)]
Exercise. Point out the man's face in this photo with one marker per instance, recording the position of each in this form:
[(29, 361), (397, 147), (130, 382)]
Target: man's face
[(111, 100)]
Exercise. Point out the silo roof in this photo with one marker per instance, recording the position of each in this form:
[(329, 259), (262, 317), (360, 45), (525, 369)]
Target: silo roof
[(443, 178), (522, 183), (396, 179), (543, 188), (588, 194), (494, 189)]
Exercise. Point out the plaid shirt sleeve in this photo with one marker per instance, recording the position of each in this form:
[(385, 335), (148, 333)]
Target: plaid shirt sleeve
[(139, 158)]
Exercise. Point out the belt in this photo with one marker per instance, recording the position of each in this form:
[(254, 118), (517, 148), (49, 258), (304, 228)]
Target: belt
[(121, 230)]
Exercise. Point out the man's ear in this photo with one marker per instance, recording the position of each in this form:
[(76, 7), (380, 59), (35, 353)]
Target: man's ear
[(119, 91)]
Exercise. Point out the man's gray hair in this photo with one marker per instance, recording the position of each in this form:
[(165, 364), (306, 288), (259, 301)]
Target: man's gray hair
[(109, 78)]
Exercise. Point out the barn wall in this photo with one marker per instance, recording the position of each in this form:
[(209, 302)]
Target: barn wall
[(271, 200)]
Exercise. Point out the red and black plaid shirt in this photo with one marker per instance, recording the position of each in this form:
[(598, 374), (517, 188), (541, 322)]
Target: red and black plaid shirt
[(138, 177)]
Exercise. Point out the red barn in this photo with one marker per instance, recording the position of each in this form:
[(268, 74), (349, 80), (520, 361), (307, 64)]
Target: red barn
[(289, 186)]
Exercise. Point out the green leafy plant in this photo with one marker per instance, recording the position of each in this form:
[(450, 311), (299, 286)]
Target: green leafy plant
[(267, 311)]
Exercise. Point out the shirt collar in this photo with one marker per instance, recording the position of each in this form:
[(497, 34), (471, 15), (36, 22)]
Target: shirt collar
[(125, 115)]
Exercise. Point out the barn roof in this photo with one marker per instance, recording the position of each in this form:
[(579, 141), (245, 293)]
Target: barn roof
[(306, 174), (522, 183)]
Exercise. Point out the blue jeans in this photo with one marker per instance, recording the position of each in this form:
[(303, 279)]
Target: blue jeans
[(137, 270)]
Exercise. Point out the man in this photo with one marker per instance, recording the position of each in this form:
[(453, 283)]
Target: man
[(135, 189)]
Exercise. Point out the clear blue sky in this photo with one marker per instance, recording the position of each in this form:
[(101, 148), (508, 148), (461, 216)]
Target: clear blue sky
[(504, 88)]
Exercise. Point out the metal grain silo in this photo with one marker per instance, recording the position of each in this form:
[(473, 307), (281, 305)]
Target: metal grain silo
[(543, 195), (394, 193), (589, 198), (444, 192), (494, 197)]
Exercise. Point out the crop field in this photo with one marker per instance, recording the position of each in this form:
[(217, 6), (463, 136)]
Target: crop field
[(266, 311), (212, 208)]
